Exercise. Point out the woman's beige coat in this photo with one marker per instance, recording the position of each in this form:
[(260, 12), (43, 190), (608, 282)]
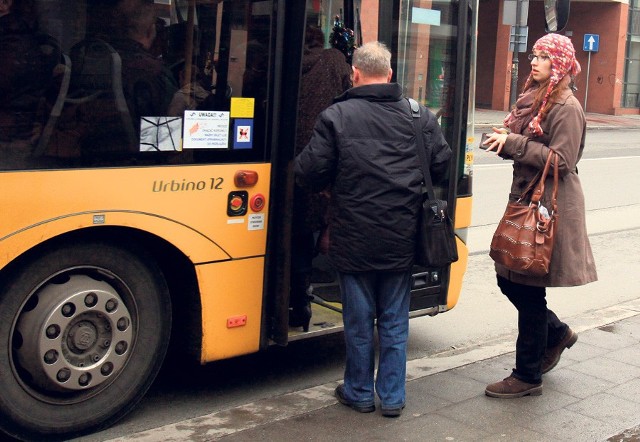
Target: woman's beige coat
[(564, 129)]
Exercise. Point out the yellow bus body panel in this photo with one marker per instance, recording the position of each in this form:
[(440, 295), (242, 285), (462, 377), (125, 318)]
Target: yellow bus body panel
[(184, 205), (463, 212), (195, 245), (458, 268), (229, 293), (456, 274)]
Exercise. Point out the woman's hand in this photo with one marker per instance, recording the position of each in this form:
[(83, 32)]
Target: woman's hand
[(496, 140)]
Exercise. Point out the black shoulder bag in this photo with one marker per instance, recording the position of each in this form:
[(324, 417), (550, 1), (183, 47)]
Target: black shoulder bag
[(436, 241)]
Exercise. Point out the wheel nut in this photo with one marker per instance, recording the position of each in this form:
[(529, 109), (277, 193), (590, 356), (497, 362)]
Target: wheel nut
[(106, 369), (90, 300), (68, 309), (123, 323), (63, 375), (84, 379), (53, 331), (111, 305), (51, 356), (121, 347)]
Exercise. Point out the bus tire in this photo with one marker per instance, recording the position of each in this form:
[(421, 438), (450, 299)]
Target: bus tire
[(84, 329)]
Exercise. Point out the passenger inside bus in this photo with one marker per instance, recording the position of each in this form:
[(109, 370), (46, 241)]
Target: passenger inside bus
[(115, 81), (148, 85), (192, 93), (325, 75), (27, 69)]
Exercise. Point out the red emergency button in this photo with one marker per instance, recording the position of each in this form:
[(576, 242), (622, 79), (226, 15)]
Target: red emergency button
[(235, 203), (257, 202)]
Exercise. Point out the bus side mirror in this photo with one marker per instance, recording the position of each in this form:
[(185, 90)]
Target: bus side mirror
[(556, 14)]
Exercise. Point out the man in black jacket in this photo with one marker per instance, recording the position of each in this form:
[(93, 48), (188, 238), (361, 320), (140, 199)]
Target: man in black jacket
[(364, 146)]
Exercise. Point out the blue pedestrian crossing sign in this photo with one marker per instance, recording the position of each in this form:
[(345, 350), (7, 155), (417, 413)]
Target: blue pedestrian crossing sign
[(591, 43)]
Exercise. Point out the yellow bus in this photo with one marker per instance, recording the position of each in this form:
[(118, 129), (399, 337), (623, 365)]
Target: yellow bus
[(146, 201)]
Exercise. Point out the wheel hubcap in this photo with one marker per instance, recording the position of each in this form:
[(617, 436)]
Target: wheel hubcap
[(74, 335)]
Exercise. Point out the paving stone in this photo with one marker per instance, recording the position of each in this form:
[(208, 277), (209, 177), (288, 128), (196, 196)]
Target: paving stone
[(629, 329), (522, 435), (610, 370), (434, 427), (582, 351), (575, 383), (629, 390), (450, 386), (628, 355), (552, 400), (490, 414), (571, 426), (490, 370), (607, 338), (608, 408), (420, 401)]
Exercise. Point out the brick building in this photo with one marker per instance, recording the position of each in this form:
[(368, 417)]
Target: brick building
[(614, 71)]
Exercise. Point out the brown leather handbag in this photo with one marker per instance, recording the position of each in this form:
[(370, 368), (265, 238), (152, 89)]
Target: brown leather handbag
[(523, 240)]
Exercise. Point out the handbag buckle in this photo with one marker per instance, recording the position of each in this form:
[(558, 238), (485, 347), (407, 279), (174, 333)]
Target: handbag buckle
[(542, 226)]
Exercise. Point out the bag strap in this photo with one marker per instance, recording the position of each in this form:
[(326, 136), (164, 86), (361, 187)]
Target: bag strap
[(537, 183), (539, 190), (553, 157), (415, 112)]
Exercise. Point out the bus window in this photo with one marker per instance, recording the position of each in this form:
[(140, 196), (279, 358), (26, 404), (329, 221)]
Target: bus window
[(26, 71), (430, 49), (109, 84)]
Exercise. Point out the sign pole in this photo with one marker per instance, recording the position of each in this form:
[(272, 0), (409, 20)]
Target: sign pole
[(514, 59), (586, 89), (515, 14), (591, 44)]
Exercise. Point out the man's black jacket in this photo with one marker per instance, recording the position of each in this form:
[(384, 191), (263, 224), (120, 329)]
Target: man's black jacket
[(364, 148)]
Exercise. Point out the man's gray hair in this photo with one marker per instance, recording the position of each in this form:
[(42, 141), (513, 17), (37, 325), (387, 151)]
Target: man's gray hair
[(373, 59)]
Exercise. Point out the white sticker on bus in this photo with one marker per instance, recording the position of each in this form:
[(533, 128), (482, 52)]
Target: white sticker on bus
[(206, 130), (256, 221)]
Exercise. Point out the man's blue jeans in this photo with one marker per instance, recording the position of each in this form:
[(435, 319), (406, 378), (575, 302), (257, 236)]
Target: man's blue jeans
[(366, 297)]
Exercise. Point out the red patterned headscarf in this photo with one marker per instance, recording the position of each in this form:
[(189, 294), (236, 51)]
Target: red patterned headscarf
[(563, 62)]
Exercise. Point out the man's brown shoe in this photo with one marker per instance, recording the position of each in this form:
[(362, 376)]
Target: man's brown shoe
[(512, 387), (552, 355)]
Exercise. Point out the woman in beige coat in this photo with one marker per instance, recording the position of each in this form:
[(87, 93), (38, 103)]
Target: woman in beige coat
[(547, 117)]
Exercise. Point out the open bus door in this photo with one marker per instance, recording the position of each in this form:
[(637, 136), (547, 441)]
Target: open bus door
[(448, 43)]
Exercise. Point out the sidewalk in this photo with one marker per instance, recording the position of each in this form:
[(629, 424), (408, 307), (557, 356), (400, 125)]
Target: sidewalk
[(592, 395), (485, 119)]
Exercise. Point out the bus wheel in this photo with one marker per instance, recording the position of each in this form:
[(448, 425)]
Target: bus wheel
[(83, 332)]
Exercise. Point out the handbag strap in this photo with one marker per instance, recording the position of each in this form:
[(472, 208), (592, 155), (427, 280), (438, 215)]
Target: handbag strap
[(539, 190), (537, 183), (553, 157), (415, 112)]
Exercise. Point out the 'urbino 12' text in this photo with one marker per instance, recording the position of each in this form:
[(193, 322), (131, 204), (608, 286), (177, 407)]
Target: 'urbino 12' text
[(187, 186)]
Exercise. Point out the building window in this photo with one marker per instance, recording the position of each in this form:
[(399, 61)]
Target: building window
[(631, 94)]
